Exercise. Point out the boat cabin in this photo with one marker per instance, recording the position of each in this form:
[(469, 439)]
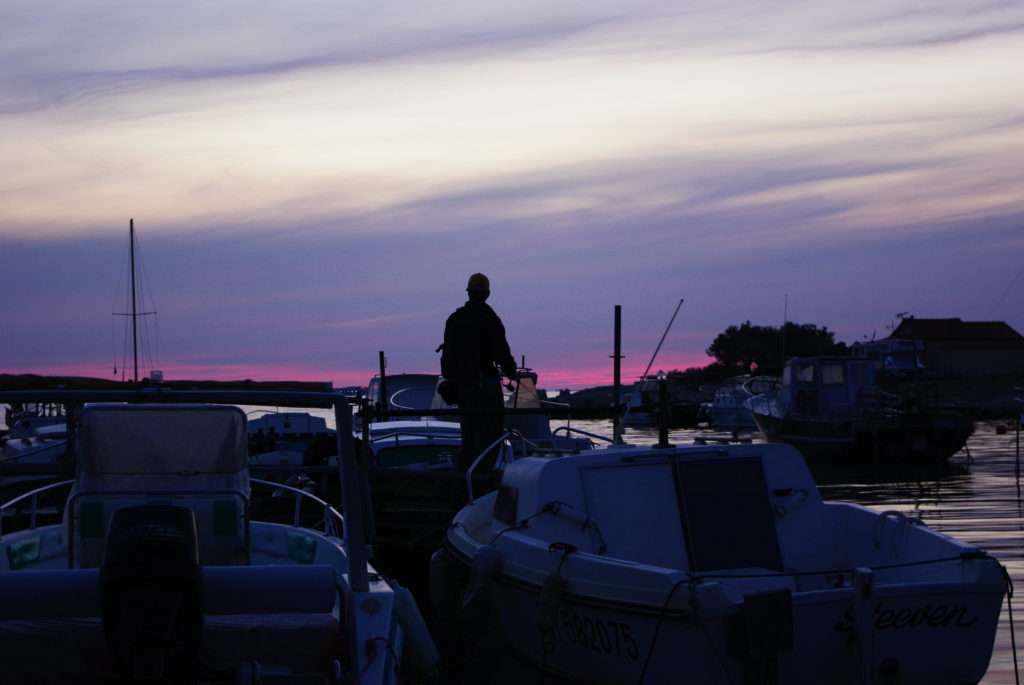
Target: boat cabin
[(289, 425), (702, 509), (826, 387)]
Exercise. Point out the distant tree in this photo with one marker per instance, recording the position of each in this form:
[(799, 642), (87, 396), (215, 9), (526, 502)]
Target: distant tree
[(747, 347), (698, 375)]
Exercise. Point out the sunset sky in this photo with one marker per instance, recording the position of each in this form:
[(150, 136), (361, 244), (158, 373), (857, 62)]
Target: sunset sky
[(313, 182)]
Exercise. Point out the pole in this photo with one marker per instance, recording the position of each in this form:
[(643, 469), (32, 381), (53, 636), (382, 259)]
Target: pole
[(383, 408), (785, 320), (135, 316), (352, 503), (1020, 417), (663, 413), (617, 377)]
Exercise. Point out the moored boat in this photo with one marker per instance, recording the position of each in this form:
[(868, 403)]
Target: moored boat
[(729, 410), (709, 565), (415, 486), (831, 408), (159, 571)]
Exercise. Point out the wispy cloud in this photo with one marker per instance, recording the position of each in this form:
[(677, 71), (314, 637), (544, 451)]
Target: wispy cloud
[(315, 182)]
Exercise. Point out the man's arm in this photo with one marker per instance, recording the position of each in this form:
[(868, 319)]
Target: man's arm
[(500, 350), (448, 352)]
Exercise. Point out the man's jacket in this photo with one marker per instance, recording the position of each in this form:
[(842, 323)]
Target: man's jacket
[(474, 342)]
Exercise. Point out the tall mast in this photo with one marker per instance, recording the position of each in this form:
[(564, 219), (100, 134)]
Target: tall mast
[(135, 315)]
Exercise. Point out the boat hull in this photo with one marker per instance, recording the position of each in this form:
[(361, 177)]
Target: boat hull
[(905, 441), (925, 635)]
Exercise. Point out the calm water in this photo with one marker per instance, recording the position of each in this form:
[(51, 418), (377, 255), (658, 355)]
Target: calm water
[(974, 500)]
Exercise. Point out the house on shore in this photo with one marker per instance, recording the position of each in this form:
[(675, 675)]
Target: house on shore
[(968, 349)]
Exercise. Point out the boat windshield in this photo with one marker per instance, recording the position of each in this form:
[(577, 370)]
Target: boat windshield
[(405, 391)]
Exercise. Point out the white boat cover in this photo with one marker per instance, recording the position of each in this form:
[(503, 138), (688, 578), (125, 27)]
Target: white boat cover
[(192, 455), (167, 439)]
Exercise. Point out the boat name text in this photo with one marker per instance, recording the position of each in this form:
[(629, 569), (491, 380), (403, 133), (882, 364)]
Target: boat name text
[(930, 615)]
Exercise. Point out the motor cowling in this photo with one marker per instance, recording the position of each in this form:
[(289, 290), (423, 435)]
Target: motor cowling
[(151, 589)]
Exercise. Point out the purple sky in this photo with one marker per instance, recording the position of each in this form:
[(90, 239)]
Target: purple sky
[(313, 185)]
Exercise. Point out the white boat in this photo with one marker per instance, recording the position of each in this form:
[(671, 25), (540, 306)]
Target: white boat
[(26, 419), (710, 565), (411, 442), (415, 486), (158, 571), (643, 400), (31, 451), (730, 408), (423, 442), (279, 438)]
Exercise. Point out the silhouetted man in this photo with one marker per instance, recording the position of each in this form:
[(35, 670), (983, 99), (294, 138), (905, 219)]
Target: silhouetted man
[(474, 349)]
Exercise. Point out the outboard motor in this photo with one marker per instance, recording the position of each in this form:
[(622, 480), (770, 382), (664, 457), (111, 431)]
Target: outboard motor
[(151, 594)]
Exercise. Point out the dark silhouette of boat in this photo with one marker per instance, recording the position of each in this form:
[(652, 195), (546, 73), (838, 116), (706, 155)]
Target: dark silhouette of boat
[(832, 408)]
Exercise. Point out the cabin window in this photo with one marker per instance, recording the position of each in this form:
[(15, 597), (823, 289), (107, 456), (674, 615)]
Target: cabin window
[(832, 374), (727, 518), (623, 523), (805, 374)]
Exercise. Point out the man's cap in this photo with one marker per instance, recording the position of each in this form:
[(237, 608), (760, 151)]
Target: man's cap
[(478, 283)]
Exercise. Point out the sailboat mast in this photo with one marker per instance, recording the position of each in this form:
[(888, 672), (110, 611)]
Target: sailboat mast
[(135, 316)]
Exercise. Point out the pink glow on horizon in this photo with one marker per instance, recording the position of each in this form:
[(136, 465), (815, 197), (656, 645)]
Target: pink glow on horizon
[(586, 377), (572, 378)]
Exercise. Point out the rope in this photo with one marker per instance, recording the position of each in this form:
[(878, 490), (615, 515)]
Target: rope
[(657, 627), (1009, 609), (661, 618), (519, 526), (976, 554), (555, 506)]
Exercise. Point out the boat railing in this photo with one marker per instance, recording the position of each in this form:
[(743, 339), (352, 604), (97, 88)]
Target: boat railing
[(399, 433), (593, 436), (509, 433), (33, 498), (351, 474), (332, 517)]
